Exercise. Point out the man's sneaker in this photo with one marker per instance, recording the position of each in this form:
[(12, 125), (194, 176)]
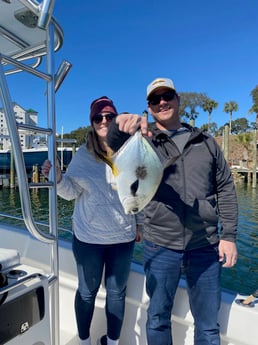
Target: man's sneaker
[(102, 340)]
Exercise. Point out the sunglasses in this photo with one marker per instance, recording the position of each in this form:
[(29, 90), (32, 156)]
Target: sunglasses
[(98, 118), (166, 96)]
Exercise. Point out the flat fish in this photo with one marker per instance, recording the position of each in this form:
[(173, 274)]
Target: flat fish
[(138, 171)]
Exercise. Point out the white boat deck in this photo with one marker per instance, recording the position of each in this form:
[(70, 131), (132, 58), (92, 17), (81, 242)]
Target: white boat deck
[(238, 323)]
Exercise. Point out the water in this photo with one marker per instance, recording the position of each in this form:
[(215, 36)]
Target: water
[(242, 278)]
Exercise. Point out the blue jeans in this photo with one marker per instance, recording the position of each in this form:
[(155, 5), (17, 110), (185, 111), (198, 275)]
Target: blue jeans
[(91, 260), (163, 268)]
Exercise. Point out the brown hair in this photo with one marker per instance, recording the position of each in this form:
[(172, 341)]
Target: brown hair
[(94, 147)]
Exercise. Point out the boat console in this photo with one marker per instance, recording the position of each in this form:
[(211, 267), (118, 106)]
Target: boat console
[(23, 294)]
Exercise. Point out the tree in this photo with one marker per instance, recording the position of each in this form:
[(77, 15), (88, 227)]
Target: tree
[(220, 131), (209, 105), (212, 128), (245, 139), (239, 126), (189, 101), (78, 134), (254, 109), (229, 108)]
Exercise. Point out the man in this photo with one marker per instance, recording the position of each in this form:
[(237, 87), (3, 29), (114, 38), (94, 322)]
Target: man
[(181, 227)]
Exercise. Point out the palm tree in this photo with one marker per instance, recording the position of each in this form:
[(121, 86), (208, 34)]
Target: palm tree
[(245, 139), (254, 109), (189, 101), (229, 108), (209, 105)]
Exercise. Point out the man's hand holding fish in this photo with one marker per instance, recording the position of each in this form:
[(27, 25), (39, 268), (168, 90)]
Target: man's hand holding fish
[(130, 123)]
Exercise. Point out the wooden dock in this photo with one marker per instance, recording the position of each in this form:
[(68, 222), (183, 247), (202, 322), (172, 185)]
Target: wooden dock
[(245, 174)]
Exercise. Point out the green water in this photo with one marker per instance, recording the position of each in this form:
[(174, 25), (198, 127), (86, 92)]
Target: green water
[(242, 278)]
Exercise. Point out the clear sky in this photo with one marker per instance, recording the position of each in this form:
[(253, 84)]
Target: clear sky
[(118, 47)]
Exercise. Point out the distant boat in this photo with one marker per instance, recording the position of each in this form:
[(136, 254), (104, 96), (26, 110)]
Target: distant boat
[(35, 156)]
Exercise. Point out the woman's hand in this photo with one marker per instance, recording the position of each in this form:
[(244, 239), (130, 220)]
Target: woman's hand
[(46, 166)]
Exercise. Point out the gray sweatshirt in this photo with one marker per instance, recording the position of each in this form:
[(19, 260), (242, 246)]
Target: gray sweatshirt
[(98, 215)]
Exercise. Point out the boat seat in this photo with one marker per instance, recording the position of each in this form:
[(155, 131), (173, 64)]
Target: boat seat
[(8, 258)]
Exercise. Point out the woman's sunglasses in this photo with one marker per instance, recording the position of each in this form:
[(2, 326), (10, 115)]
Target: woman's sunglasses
[(98, 118), (166, 96)]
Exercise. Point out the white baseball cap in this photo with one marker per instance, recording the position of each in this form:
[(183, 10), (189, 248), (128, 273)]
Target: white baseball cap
[(158, 83)]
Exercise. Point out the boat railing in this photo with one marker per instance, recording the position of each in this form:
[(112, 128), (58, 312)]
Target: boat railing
[(24, 44), (30, 128), (28, 32), (41, 224), (17, 150), (9, 287)]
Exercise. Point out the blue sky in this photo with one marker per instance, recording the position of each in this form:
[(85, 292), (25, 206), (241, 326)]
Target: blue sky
[(118, 47)]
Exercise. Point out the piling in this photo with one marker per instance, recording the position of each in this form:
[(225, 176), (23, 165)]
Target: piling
[(35, 174), (254, 180), (226, 142), (12, 174)]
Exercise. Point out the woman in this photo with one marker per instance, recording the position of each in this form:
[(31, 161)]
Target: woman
[(103, 235)]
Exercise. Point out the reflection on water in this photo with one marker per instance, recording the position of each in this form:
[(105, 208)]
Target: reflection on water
[(241, 278)]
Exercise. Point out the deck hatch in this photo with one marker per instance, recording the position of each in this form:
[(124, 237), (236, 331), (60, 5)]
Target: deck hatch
[(20, 314)]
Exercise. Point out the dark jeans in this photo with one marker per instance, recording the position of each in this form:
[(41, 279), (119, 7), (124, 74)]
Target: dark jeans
[(91, 260), (163, 268)]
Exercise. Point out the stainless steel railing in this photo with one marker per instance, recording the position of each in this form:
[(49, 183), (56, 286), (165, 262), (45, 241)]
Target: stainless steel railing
[(39, 15)]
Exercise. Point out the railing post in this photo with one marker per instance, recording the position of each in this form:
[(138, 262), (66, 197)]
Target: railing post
[(254, 180)]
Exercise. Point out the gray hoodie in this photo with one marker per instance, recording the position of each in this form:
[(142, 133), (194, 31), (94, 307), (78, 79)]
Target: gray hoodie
[(196, 193), (98, 215)]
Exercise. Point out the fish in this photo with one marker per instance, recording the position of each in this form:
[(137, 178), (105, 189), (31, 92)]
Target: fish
[(138, 171)]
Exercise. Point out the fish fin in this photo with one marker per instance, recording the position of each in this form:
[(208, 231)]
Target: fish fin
[(115, 171), (134, 187), (109, 161)]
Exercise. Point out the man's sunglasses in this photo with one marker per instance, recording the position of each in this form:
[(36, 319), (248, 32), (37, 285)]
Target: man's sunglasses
[(166, 96), (98, 118)]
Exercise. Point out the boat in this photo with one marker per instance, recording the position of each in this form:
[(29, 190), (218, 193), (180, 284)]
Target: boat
[(38, 276), (35, 157)]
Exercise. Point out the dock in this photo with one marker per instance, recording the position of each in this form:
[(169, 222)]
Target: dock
[(245, 174)]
